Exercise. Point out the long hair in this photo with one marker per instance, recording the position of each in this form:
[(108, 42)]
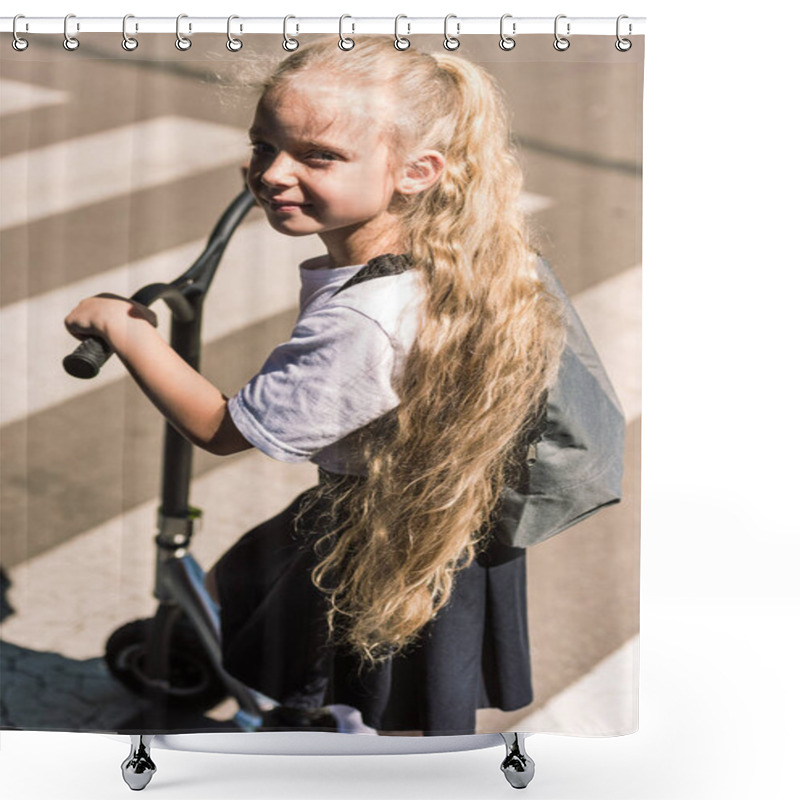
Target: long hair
[(486, 350)]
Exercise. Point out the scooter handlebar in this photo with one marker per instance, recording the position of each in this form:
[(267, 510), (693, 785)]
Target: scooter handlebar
[(87, 358)]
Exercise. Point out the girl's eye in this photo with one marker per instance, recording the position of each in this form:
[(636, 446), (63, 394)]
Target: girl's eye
[(261, 148), (322, 155)]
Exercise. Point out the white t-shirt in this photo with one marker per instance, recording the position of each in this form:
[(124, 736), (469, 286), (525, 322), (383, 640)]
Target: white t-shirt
[(336, 373)]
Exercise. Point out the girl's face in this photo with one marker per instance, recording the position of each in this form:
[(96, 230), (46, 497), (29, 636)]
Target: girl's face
[(319, 164)]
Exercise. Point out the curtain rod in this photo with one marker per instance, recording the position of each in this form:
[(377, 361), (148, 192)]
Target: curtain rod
[(407, 26)]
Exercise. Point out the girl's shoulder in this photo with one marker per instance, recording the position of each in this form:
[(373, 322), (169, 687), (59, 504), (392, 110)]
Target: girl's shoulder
[(392, 301)]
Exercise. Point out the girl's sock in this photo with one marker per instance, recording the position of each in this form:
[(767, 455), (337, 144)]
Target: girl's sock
[(348, 719)]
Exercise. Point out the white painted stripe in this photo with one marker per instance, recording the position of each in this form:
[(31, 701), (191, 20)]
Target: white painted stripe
[(71, 597), (612, 314), (257, 278), (603, 702), (534, 203), (16, 96), (65, 176)]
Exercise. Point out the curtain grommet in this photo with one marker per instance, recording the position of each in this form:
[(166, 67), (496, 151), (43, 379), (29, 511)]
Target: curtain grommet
[(451, 42), (561, 43), (507, 42), (290, 44), (129, 43), (181, 42), (623, 45), (400, 42), (233, 44), (18, 43), (345, 43), (70, 42)]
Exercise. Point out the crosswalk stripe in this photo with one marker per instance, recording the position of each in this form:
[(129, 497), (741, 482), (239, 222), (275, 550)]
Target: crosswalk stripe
[(16, 96), (612, 313), (603, 702), (55, 594), (257, 279), (89, 169)]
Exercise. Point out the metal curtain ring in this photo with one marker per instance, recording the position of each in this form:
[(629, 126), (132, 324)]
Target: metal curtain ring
[(560, 42), (18, 43), (128, 42), (623, 45), (400, 42), (289, 42), (344, 42), (234, 45), (70, 42), (506, 42), (451, 42), (181, 42)]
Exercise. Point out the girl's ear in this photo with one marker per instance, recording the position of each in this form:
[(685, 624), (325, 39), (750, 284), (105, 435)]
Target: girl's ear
[(420, 172)]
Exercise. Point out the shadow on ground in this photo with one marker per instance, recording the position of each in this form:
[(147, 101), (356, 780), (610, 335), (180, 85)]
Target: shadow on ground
[(45, 691), (48, 692)]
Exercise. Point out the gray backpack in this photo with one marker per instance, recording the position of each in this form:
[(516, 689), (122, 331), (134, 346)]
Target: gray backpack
[(570, 453)]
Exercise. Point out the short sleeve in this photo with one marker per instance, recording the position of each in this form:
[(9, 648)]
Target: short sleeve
[(331, 378)]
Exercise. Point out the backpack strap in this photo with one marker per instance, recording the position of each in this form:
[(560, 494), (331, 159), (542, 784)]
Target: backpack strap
[(378, 267)]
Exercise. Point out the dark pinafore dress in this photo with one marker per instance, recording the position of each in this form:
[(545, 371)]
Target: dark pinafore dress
[(474, 654)]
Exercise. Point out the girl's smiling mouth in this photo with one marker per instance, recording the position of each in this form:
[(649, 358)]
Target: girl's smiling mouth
[(287, 208), (285, 205)]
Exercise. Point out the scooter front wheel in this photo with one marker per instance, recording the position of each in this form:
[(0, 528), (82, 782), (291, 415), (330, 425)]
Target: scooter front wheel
[(191, 681)]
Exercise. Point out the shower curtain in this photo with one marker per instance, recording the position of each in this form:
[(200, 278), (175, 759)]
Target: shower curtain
[(114, 167)]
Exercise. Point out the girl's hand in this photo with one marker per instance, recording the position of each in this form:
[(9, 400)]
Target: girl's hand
[(107, 316)]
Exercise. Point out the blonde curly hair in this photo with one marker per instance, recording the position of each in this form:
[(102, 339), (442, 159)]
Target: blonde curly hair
[(486, 351)]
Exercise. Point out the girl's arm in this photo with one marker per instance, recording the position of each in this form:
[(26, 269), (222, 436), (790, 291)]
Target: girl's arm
[(193, 405)]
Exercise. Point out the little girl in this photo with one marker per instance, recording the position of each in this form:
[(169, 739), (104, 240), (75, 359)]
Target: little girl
[(382, 588)]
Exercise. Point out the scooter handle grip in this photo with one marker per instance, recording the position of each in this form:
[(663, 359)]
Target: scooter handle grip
[(87, 358)]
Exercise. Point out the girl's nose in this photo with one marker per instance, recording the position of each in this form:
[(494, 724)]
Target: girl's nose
[(280, 171)]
